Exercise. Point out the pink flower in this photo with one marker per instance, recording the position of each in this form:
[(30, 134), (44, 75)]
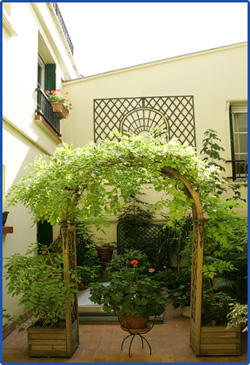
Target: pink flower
[(151, 270), (164, 267)]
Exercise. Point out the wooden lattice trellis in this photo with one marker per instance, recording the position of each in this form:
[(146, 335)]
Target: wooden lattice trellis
[(139, 115)]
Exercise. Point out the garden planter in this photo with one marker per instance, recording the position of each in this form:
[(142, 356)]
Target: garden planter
[(105, 253), (60, 110), (219, 340), (46, 341), (128, 322)]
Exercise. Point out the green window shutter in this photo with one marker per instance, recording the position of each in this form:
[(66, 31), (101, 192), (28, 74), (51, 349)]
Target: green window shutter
[(50, 76)]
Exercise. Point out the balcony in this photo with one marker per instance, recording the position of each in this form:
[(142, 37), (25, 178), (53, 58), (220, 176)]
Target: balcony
[(63, 26), (44, 110)]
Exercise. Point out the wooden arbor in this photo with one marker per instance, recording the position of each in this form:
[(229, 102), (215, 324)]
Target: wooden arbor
[(93, 181), (69, 253)]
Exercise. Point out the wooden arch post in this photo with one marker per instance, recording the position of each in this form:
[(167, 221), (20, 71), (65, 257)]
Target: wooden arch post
[(197, 260), (69, 263)]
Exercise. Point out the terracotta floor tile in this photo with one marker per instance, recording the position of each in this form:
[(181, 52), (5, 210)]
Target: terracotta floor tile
[(102, 343), (168, 358)]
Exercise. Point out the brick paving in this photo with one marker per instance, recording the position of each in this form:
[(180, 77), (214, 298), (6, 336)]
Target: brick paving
[(102, 343)]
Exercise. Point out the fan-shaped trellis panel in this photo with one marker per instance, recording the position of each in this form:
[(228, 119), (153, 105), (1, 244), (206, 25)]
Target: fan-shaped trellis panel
[(140, 114)]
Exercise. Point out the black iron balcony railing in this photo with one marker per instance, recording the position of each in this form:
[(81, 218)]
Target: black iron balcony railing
[(44, 109), (64, 29), (239, 169)]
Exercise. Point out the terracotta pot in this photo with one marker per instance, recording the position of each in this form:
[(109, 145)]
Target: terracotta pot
[(134, 323), (60, 110), (105, 253)]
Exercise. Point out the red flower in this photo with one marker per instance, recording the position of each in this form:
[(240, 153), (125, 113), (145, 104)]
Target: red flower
[(47, 92), (190, 232), (151, 270), (164, 267), (134, 262)]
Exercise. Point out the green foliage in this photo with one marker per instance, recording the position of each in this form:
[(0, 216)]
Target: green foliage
[(215, 307), (180, 288), (96, 180), (85, 248), (87, 274), (229, 262), (212, 151), (225, 232), (176, 239), (119, 262), (238, 316), (39, 280), (130, 291)]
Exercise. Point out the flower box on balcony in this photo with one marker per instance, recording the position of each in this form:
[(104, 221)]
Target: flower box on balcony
[(60, 110)]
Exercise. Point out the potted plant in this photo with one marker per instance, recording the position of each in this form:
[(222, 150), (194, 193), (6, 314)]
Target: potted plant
[(105, 250), (60, 102), (131, 295), (39, 282)]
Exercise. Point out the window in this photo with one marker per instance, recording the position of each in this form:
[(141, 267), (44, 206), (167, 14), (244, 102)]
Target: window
[(46, 80), (41, 73), (238, 126)]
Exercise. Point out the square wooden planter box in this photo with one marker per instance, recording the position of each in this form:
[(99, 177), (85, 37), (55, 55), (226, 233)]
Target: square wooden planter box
[(60, 110), (51, 342), (220, 341)]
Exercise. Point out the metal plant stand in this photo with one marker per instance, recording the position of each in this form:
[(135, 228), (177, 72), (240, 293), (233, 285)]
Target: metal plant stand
[(137, 332)]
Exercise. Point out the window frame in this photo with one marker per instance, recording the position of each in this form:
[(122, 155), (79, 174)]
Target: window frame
[(236, 108)]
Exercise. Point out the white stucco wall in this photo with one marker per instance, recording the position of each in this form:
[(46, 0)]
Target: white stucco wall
[(23, 137), (215, 78)]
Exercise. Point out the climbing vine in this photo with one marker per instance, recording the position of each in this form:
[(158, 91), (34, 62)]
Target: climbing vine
[(96, 180)]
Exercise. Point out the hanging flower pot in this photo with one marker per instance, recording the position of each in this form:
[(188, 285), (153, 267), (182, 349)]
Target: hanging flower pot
[(60, 110)]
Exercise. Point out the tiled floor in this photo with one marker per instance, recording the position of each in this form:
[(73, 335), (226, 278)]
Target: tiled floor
[(102, 343)]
